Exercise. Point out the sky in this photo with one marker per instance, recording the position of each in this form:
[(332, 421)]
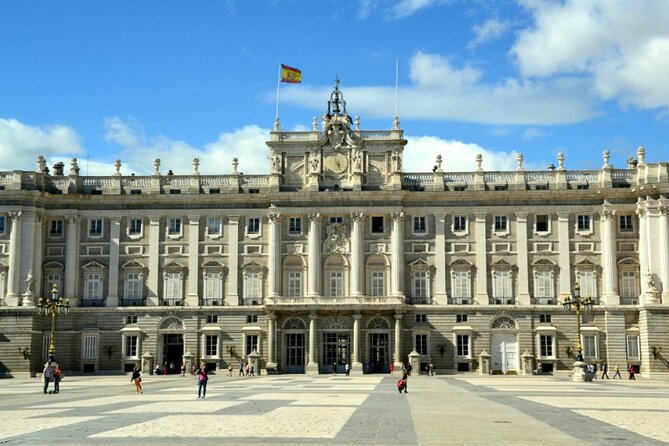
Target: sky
[(174, 79)]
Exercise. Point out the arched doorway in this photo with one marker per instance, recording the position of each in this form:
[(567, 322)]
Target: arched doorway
[(172, 344), (378, 341), (294, 336), (336, 344), (504, 346)]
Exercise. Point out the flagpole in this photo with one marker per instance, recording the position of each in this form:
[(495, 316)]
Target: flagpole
[(278, 83), (397, 69)]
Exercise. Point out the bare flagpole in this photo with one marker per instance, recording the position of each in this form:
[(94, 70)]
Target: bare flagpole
[(278, 84), (397, 69)]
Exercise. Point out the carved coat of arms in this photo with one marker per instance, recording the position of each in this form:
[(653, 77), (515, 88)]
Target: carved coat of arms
[(336, 240)]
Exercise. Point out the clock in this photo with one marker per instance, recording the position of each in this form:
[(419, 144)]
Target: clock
[(337, 163)]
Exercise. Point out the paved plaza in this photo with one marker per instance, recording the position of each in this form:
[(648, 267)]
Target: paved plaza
[(332, 410)]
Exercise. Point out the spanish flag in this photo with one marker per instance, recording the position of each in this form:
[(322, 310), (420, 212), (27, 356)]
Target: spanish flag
[(291, 75)]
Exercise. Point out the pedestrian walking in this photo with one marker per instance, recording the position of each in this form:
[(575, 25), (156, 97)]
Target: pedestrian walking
[(172, 368), (46, 375), (408, 369), (183, 369), (251, 370), (202, 379), (241, 369), (56, 379), (136, 379), (347, 368), (392, 368), (334, 368), (605, 370), (405, 380), (430, 369), (632, 371), (165, 368), (617, 372), (230, 370)]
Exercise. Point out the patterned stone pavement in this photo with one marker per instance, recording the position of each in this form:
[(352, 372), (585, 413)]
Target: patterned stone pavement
[(332, 410)]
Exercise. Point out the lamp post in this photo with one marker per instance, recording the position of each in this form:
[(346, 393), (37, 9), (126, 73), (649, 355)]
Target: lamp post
[(578, 302), (53, 306)]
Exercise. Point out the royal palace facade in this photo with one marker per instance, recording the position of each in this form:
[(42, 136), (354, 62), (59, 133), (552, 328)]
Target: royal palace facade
[(337, 256)]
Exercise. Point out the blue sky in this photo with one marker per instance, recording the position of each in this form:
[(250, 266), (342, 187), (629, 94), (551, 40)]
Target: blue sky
[(139, 80)]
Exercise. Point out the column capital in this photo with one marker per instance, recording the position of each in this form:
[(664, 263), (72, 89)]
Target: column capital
[(193, 219), (480, 216), (521, 216), (274, 217), (607, 214), (72, 218), (15, 215), (313, 316), (397, 216), (314, 216), (357, 316), (154, 219), (357, 216), (398, 316), (233, 219), (563, 215)]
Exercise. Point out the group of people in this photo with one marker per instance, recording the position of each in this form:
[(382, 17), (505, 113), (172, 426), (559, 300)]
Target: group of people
[(592, 368), (51, 371), (244, 369)]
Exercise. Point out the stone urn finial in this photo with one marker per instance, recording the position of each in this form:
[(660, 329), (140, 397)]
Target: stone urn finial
[(196, 166), (74, 167), (41, 164), (438, 162), (606, 157), (479, 161), (560, 158), (519, 161), (641, 155)]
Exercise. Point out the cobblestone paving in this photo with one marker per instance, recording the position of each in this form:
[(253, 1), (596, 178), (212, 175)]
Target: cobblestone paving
[(334, 410)]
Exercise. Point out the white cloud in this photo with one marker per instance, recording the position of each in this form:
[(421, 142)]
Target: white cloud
[(622, 49), (20, 144), (457, 156), (406, 8), (140, 150), (490, 30), (443, 91), (533, 133)]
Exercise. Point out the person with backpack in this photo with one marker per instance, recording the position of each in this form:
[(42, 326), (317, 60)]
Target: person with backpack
[(56, 379), (402, 383)]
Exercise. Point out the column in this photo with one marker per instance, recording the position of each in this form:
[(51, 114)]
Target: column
[(271, 344), (154, 261), (72, 260), (356, 365), (192, 296), (609, 266), (12, 297), (398, 342), (232, 295), (664, 253), (564, 259), (523, 295), (312, 365), (643, 242), (314, 268), (114, 242), (481, 259), (274, 260), (357, 259), (397, 255), (27, 258), (440, 296), (39, 254)]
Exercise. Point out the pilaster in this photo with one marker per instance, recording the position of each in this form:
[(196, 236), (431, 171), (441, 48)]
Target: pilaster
[(523, 296), (312, 365), (14, 267), (271, 365), (481, 259), (72, 260), (314, 267), (397, 353), (357, 261), (397, 255), (114, 242), (356, 365), (564, 258), (232, 297), (192, 296), (153, 280), (274, 261), (440, 296)]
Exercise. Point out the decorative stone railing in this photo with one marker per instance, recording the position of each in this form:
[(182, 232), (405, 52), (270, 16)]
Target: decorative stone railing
[(317, 135), (324, 301)]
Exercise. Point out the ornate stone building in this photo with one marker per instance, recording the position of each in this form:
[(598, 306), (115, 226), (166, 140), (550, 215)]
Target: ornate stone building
[(337, 256)]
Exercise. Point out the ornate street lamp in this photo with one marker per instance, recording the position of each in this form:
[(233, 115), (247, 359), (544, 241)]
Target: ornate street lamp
[(53, 306), (577, 302)]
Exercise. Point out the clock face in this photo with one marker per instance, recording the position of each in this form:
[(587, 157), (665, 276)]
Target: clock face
[(337, 163)]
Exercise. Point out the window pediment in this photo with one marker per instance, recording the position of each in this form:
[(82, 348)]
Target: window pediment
[(93, 265), (133, 264)]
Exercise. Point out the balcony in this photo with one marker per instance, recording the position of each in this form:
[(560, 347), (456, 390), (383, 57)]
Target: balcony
[(91, 302), (211, 302), (629, 300), (418, 300), (173, 302), (460, 301), (325, 300), (252, 301), (544, 301), (501, 301), (134, 302)]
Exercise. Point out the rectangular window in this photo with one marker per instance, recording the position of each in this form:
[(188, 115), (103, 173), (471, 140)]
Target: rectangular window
[(214, 226), (251, 318), (294, 226), (461, 284), (252, 285), (131, 320), (544, 318), (587, 282), (95, 227), (174, 226), (56, 228), (419, 225), (421, 317), (625, 223), (589, 346), (2, 224), (213, 281), (462, 345), (542, 223), (133, 286), (294, 284), (378, 283), (336, 220), (93, 286), (421, 344), (337, 284), (131, 346), (212, 319), (377, 225), (173, 288), (211, 345), (583, 223), (546, 345), (460, 318), (502, 284), (628, 284), (90, 347), (502, 187), (253, 226), (135, 226), (633, 347), (419, 284), (251, 344), (500, 223), (459, 223), (543, 284), (51, 279), (581, 186)]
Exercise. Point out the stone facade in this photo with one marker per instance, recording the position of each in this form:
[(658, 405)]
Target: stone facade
[(337, 256)]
